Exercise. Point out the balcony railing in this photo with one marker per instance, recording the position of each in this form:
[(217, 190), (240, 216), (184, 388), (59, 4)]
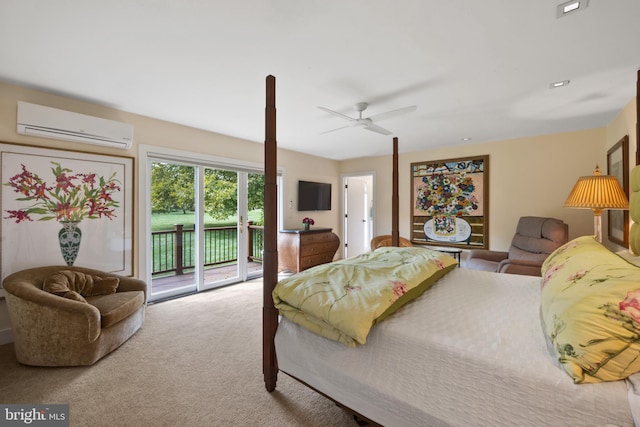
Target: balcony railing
[(174, 250)]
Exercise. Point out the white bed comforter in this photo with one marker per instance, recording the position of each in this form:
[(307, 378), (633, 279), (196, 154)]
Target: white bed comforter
[(469, 352)]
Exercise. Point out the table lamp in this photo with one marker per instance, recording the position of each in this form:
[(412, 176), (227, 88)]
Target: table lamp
[(597, 192)]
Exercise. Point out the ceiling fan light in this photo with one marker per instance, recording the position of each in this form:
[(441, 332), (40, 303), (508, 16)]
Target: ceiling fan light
[(360, 106)]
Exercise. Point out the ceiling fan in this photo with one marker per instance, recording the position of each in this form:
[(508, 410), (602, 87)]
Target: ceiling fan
[(368, 123)]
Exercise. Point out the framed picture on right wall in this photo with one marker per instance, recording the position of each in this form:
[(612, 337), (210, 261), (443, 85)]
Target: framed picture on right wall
[(618, 166)]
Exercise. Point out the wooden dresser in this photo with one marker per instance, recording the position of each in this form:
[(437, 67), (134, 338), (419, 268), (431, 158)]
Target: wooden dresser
[(301, 249)]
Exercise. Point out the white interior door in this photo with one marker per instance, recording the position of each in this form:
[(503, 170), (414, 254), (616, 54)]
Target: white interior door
[(358, 215)]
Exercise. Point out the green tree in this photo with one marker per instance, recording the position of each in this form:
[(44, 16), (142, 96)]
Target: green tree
[(256, 191), (220, 193), (172, 188), (255, 194)]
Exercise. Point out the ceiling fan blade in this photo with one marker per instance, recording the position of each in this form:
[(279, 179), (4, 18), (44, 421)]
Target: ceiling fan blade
[(375, 128), (392, 113), (335, 113), (333, 130)]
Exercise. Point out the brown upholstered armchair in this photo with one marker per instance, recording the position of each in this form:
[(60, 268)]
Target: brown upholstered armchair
[(535, 239), (52, 330), (385, 240)]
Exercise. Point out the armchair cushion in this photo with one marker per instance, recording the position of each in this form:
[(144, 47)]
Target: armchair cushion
[(483, 259), (77, 285), (114, 308), (519, 266), (536, 238)]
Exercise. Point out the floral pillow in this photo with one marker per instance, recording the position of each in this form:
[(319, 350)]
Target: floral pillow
[(590, 307)]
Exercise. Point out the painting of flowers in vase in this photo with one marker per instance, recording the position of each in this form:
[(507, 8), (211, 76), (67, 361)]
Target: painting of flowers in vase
[(449, 202), (65, 208)]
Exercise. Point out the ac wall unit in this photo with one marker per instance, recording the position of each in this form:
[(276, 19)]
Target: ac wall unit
[(47, 122)]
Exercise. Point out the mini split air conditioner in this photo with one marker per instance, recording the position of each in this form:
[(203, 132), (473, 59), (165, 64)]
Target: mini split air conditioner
[(47, 122)]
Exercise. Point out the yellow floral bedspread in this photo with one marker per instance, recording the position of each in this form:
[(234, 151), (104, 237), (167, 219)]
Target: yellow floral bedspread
[(343, 300)]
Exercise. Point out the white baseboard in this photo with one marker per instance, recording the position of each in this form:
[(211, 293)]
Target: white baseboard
[(6, 336)]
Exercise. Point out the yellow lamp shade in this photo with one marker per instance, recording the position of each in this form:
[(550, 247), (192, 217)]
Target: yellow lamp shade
[(597, 192)]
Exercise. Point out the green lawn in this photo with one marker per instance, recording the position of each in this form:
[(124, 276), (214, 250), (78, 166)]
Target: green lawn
[(167, 221)]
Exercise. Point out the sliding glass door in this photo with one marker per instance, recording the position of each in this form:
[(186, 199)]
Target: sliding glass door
[(222, 227), (206, 227), (254, 227), (173, 220)]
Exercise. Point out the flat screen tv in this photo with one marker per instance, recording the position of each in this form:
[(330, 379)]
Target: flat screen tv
[(314, 196)]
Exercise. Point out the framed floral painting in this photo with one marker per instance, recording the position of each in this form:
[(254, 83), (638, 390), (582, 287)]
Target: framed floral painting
[(449, 202), (618, 166), (65, 208)]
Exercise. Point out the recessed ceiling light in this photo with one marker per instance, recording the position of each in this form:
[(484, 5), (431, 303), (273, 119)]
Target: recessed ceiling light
[(465, 139), (558, 84), (569, 7)]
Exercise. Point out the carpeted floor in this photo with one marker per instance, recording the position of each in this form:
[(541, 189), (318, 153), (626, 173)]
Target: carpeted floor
[(196, 361)]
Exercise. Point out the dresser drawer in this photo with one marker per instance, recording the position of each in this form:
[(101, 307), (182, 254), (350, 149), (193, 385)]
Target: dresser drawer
[(314, 238), (313, 260), (318, 248)]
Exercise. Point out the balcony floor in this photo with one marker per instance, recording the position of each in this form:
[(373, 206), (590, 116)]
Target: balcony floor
[(211, 275)]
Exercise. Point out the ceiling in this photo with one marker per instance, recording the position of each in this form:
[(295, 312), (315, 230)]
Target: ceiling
[(474, 69)]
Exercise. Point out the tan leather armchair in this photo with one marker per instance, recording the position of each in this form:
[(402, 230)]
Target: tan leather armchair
[(50, 330), (535, 239)]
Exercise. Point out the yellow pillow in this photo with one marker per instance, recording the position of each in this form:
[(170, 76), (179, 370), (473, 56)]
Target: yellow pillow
[(590, 307)]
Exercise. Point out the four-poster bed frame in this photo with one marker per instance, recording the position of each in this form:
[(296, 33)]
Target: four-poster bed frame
[(270, 254)]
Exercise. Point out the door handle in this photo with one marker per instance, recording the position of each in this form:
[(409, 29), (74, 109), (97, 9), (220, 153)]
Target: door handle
[(241, 224)]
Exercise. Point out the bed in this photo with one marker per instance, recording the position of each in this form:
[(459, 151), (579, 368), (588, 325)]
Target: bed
[(471, 350)]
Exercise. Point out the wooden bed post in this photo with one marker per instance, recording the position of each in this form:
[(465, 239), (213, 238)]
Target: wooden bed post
[(270, 254), (395, 232)]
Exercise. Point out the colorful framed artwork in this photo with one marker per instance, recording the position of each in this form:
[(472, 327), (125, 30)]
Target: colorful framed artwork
[(618, 166), (450, 202), (65, 208)]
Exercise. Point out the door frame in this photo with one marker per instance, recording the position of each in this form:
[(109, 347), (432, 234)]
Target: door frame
[(147, 154), (344, 178)]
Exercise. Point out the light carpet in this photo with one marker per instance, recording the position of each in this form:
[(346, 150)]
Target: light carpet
[(196, 361)]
